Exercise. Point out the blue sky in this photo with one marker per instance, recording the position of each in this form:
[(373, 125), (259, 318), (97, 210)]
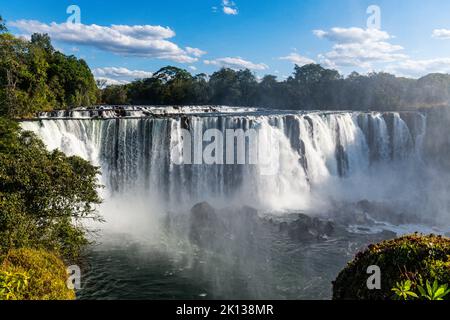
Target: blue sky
[(131, 39)]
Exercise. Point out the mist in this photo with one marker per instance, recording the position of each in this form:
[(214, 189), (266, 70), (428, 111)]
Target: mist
[(341, 179)]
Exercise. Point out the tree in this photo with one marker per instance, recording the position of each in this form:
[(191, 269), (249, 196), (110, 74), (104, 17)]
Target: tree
[(177, 85), (33, 77), (42, 41), (101, 83), (268, 92), (433, 89), (200, 90), (72, 81), (224, 86), (15, 76), (43, 195), (115, 95), (3, 27), (248, 87)]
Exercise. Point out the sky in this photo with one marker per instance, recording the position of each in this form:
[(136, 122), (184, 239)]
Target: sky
[(126, 40)]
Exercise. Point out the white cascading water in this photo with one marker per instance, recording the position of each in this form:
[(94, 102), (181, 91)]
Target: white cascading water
[(324, 164), (316, 150)]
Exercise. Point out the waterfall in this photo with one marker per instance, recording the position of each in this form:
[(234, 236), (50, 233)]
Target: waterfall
[(314, 149)]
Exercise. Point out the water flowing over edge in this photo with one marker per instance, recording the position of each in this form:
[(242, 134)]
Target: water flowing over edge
[(319, 154)]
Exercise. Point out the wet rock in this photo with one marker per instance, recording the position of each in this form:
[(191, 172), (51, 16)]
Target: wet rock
[(383, 212), (306, 228), (368, 213), (245, 215), (205, 224)]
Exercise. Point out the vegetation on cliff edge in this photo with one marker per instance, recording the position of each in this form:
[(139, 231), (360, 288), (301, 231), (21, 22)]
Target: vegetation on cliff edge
[(44, 195), (33, 274), (414, 262), (44, 198)]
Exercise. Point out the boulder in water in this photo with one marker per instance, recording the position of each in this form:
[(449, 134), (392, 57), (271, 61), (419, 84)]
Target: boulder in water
[(367, 213), (306, 228), (205, 224)]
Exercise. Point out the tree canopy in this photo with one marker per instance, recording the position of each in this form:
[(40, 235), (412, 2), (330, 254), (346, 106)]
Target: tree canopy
[(2, 25), (43, 195), (35, 77), (309, 87)]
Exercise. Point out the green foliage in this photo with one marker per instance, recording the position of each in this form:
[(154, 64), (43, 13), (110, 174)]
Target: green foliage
[(115, 95), (403, 291), (44, 195), (404, 263), (169, 86), (310, 87), (34, 77), (433, 292), (436, 291), (72, 82), (13, 284), (27, 274), (2, 25)]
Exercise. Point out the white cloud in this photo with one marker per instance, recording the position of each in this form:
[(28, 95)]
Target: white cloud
[(137, 40), (119, 75), (236, 63), (229, 7), (353, 35), (364, 48), (111, 82), (419, 68), (297, 59), (121, 72), (442, 34), (358, 47), (195, 52), (230, 11), (193, 68), (145, 31)]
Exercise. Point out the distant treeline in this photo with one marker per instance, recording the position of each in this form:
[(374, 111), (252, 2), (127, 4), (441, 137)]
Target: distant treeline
[(310, 87), (36, 77)]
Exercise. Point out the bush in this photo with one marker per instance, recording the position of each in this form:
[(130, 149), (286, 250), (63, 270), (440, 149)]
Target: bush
[(28, 274), (44, 196), (413, 260)]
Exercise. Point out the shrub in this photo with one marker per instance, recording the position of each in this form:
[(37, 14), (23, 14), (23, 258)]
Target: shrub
[(44, 195), (29, 274), (406, 263)]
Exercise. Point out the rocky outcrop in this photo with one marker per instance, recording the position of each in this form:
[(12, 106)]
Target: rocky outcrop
[(208, 224), (367, 212), (205, 224), (216, 229), (306, 228)]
